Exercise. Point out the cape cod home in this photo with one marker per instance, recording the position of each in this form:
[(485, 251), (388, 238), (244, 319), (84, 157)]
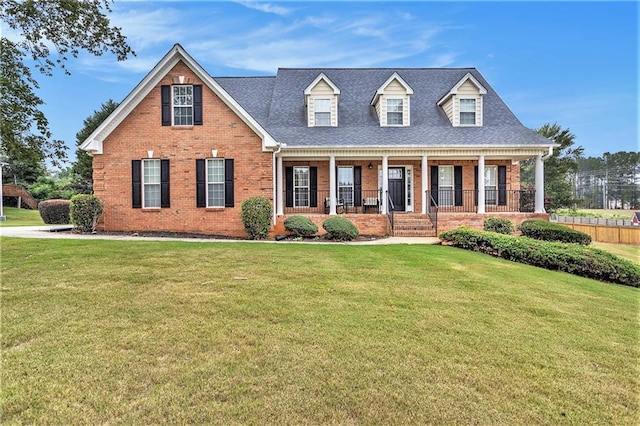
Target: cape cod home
[(396, 151)]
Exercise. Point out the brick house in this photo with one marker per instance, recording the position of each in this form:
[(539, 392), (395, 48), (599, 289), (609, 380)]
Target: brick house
[(396, 151)]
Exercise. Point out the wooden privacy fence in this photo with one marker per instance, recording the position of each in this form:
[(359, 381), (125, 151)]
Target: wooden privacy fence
[(608, 234)]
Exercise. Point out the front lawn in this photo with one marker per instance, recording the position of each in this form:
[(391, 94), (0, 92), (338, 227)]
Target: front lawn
[(21, 217), (191, 332)]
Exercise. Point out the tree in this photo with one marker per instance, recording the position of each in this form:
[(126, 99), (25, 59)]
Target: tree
[(82, 167), (559, 169), (43, 26)]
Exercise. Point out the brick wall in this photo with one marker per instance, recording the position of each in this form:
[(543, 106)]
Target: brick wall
[(367, 224), (141, 131), (447, 221)]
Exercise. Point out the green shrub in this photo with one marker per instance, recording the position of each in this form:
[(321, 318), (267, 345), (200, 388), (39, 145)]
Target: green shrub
[(340, 229), (300, 226), (85, 211), (572, 258), (548, 231), (500, 225), (54, 212), (256, 216)]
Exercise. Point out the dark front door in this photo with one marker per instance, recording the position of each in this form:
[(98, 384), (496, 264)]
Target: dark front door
[(396, 188)]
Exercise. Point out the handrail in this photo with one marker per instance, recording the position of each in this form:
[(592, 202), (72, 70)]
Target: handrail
[(432, 212), (390, 209)]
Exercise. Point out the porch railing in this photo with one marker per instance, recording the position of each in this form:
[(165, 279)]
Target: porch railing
[(318, 201), (496, 200), (390, 209), (432, 211)]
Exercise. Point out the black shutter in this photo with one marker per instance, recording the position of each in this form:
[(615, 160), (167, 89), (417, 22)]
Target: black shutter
[(289, 186), (197, 105), (457, 184), (502, 185), (357, 185), (475, 185), (201, 183), (164, 184), (136, 184), (228, 182), (165, 92), (313, 187), (434, 183)]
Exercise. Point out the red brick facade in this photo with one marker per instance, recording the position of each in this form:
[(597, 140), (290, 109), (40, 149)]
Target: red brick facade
[(141, 131)]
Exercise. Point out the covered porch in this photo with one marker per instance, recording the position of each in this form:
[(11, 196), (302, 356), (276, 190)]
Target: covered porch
[(399, 184)]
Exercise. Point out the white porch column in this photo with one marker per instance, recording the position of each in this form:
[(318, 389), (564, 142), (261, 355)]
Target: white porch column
[(385, 183), (332, 185), (425, 185), (279, 188), (539, 203), (481, 194)]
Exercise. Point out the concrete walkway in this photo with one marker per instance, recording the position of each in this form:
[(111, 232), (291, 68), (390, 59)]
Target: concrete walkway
[(61, 231)]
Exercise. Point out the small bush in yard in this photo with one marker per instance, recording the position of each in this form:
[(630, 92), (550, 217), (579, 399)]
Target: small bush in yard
[(340, 229), (572, 258), (54, 212), (300, 226), (85, 210), (498, 224), (256, 216), (548, 231)]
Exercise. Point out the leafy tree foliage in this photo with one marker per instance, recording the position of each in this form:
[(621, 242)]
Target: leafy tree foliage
[(559, 169), (82, 167), (610, 181), (49, 32)]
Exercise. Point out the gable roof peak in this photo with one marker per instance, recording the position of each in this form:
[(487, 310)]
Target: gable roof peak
[(323, 77), (394, 77)]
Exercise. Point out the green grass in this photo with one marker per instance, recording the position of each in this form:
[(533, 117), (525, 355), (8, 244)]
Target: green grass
[(21, 217), (235, 333), (627, 251), (601, 213)]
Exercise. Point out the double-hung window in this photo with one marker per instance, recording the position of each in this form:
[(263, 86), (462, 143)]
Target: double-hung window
[(322, 112), (151, 191), (183, 105), (491, 185), (445, 185), (467, 111), (345, 185), (301, 186), (394, 112), (215, 182)]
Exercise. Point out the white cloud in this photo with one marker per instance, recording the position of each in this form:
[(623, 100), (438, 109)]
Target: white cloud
[(264, 7)]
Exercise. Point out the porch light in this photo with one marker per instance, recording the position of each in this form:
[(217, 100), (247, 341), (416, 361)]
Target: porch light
[(370, 166)]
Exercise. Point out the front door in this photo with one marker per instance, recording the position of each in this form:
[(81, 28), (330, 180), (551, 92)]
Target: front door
[(396, 187)]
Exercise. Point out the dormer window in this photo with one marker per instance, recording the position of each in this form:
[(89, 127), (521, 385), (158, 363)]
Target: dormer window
[(322, 112), (391, 102), (321, 99), (394, 112), (467, 112), (463, 103)]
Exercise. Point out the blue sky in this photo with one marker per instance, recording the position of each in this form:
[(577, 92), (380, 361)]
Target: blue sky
[(574, 63)]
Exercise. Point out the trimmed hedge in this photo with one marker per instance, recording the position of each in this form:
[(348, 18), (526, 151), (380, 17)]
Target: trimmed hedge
[(256, 216), (500, 225), (54, 212), (572, 258), (300, 226), (339, 228), (548, 231), (85, 211)]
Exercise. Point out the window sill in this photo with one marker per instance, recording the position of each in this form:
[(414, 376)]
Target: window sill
[(182, 127), (151, 209), (214, 209)]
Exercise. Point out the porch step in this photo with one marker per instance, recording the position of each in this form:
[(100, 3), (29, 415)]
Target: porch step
[(413, 225)]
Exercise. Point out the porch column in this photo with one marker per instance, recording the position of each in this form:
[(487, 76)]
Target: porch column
[(539, 203), (332, 185), (279, 188), (385, 184), (424, 184), (481, 184)]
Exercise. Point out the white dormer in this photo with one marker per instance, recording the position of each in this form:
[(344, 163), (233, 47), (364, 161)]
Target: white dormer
[(463, 103), (321, 98), (391, 102)]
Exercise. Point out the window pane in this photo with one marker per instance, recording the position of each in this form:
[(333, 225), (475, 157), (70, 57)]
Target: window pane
[(394, 111), (183, 105), (215, 182), (345, 176), (322, 105), (467, 105), (445, 176), (152, 195), (467, 118), (301, 187), (323, 118), (151, 171), (490, 175)]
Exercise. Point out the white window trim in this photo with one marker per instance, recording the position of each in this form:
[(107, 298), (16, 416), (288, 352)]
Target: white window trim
[(174, 106), (386, 101), (475, 111), (145, 184), (307, 187), (221, 160), (447, 188), (315, 111), (350, 187), (488, 187)]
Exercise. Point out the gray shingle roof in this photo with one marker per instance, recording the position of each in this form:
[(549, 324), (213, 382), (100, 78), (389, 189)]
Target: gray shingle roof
[(277, 103)]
